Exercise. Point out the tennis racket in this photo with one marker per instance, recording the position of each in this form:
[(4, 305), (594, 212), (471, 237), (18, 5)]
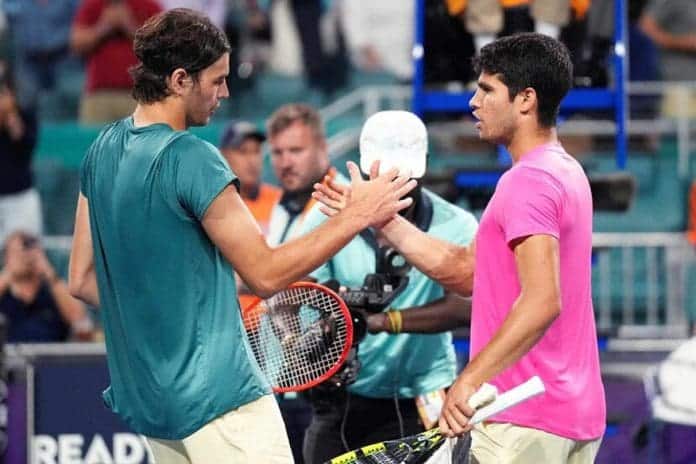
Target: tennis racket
[(417, 449), (300, 336)]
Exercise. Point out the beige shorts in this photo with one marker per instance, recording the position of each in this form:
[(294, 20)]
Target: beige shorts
[(495, 443), (252, 434)]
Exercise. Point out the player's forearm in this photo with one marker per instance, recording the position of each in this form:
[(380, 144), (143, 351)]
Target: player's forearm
[(526, 323), (452, 266), (297, 258)]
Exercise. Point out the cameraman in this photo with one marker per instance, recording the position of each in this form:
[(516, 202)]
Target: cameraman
[(20, 206), (396, 369)]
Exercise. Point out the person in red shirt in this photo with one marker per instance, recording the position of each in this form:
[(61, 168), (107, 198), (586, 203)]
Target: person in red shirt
[(102, 33)]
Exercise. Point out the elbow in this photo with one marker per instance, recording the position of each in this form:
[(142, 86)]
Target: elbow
[(264, 288), (77, 286), (553, 309)]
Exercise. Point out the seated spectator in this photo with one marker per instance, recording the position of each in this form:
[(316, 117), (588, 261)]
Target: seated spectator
[(34, 299), (102, 33), (20, 206), (241, 146)]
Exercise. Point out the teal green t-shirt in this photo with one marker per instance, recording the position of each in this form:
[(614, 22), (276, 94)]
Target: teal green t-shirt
[(403, 365), (177, 351)]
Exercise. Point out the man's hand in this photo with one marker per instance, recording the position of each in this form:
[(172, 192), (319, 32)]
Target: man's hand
[(379, 199), (376, 201), (456, 411)]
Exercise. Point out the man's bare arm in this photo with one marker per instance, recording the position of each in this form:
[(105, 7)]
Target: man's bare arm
[(449, 264), (267, 270), (447, 313), (536, 308), (82, 280), (452, 266)]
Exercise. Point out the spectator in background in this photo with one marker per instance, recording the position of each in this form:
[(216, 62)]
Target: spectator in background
[(485, 19), (241, 146), (102, 33), (41, 42), (671, 24), (299, 155), (380, 35), (20, 206), (34, 299)]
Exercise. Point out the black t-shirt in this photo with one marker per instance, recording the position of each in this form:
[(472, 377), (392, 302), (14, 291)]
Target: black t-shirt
[(38, 321), (15, 156)]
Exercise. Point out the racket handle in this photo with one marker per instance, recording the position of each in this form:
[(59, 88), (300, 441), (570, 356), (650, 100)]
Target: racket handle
[(510, 398)]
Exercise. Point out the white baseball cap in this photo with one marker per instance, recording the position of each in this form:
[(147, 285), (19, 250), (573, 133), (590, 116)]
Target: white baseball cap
[(397, 139)]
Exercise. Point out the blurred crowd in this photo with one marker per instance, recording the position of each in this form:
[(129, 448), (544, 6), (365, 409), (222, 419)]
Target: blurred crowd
[(48, 43)]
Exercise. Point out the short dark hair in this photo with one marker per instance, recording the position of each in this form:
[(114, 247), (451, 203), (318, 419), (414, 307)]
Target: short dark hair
[(178, 38), (530, 60)]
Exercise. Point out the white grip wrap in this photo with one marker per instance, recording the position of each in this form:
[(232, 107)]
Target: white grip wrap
[(510, 398)]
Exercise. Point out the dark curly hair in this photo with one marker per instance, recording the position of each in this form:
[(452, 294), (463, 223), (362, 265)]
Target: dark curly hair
[(530, 60), (178, 38)]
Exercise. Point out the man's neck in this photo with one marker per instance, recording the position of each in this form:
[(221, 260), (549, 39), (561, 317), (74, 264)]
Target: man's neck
[(162, 112), (525, 141)]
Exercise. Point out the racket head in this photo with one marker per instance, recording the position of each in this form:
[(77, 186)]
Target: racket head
[(300, 337)]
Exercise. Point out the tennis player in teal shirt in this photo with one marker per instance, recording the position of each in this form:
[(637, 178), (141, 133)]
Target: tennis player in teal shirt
[(395, 369), (160, 228)]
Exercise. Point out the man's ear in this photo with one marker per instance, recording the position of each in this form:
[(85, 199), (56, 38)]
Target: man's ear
[(179, 81), (527, 100)]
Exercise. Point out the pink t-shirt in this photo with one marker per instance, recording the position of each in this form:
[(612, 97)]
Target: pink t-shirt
[(545, 192)]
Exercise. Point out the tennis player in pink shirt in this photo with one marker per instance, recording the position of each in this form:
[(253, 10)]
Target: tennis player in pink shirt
[(529, 269)]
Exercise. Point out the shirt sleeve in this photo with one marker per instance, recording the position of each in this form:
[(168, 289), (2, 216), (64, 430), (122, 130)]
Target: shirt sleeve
[(533, 205), (201, 174)]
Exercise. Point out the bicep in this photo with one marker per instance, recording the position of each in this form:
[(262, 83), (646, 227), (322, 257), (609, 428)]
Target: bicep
[(538, 267), (231, 227)]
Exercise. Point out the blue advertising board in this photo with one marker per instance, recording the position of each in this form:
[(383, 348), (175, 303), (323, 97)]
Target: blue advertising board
[(71, 424)]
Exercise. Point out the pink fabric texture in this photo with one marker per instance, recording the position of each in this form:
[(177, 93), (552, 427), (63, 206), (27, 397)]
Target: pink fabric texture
[(545, 192)]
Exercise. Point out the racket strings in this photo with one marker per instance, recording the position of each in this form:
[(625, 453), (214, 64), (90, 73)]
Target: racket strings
[(299, 335)]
